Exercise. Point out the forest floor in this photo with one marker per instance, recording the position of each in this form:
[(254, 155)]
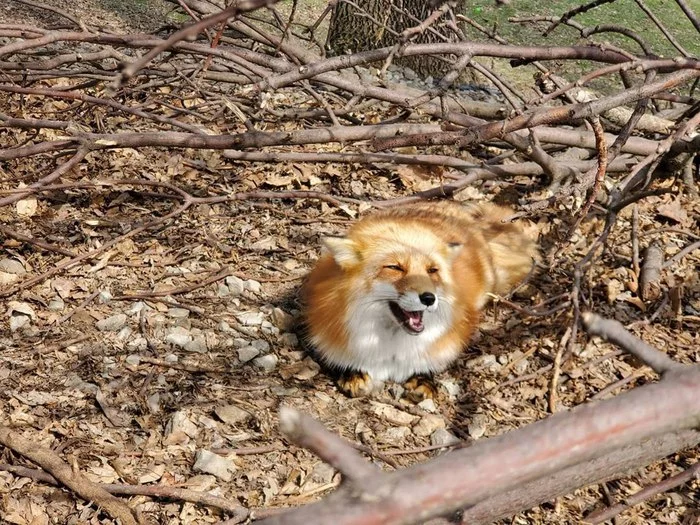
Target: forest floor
[(184, 340)]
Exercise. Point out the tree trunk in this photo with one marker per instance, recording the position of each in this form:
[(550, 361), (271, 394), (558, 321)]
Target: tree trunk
[(379, 23)]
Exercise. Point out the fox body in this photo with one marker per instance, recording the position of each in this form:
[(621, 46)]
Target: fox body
[(398, 297)]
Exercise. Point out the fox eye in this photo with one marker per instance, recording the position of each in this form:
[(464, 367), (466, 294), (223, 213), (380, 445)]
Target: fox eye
[(432, 269), (394, 267)]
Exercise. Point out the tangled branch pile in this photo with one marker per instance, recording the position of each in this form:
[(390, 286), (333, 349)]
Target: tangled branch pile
[(241, 104)]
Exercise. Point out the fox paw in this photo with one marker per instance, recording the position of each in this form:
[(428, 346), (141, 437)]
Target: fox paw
[(355, 384), (419, 388)]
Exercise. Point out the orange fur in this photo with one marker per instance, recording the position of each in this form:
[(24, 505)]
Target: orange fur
[(400, 295)]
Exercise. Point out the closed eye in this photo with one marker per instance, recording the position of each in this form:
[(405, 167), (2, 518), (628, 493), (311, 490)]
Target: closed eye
[(394, 267), (432, 269)]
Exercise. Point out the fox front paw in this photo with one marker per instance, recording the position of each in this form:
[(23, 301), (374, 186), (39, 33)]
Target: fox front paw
[(355, 384), (419, 388)]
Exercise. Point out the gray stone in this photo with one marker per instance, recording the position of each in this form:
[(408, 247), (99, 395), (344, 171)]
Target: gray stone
[(111, 324), (247, 353), (442, 437), (235, 285), (266, 362), (210, 463), (232, 415)]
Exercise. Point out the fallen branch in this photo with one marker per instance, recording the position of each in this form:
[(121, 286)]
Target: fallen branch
[(67, 476)]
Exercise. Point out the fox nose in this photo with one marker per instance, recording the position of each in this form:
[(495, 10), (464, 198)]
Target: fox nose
[(427, 298)]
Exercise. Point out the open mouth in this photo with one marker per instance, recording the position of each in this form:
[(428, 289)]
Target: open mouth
[(411, 321)]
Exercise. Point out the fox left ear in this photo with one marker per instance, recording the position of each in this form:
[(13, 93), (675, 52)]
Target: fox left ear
[(343, 250)]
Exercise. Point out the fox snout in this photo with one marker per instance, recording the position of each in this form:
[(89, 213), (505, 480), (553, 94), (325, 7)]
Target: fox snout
[(417, 293)]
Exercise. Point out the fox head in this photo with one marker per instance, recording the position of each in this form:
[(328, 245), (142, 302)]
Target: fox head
[(407, 278)]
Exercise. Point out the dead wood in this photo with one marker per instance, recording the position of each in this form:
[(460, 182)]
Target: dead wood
[(70, 477), (650, 272)]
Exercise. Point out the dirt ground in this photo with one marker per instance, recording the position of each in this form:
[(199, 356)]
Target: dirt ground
[(183, 340)]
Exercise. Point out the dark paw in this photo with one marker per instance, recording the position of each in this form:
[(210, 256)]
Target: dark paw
[(355, 384), (419, 388)]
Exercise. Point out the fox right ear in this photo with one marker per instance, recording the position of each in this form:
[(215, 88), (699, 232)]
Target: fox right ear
[(343, 250)]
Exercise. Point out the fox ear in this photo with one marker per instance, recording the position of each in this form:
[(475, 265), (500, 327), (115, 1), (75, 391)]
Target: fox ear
[(343, 250)]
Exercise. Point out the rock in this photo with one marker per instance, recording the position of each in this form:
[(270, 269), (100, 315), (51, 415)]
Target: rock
[(261, 345), (222, 290), (392, 415), (231, 414), (12, 266), (247, 353), (235, 285), (266, 362), (138, 345), (178, 336), (250, 318), (428, 405), (56, 305), (210, 463), (178, 313), (178, 426), (268, 328), (282, 319), (428, 424), (111, 324), (442, 437), (451, 387), (153, 403), (394, 435), (104, 297), (253, 286), (288, 339), (477, 425), (198, 344), (484, 362), (133, 360)]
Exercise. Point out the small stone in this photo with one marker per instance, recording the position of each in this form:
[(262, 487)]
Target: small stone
[(442, 437), (104, 297), (266, 362), (222, 290), (138, 345), (232, 415), (180, 423), (268, 328), (111, 324), (484, 362), (133, 360), (428, 424), (394, 435), (153, 403), (198, 344), (477, 425), (56, 305), (239, 342), (253, 286), (247, 353), (428, 405), (12, 266), (282, 319), (235, 285), (391, 414), (178, 313), (451, 387), (261, 345), (210, 463), (178, 336), (250, 318), (288, 339)]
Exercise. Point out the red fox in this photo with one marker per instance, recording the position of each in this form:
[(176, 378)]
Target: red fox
[(398, 297)]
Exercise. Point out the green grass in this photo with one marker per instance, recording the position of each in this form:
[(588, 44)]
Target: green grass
[(625, 13)]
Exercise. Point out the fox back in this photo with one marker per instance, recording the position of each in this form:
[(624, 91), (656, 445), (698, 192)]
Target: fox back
[(400, 294)]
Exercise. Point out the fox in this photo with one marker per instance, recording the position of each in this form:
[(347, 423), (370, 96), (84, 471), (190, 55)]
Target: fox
[(399, 296)]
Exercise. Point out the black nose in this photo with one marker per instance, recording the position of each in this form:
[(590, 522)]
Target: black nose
[(427, 298)]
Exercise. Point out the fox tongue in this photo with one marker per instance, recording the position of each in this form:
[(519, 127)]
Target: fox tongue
[(414, 320)]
